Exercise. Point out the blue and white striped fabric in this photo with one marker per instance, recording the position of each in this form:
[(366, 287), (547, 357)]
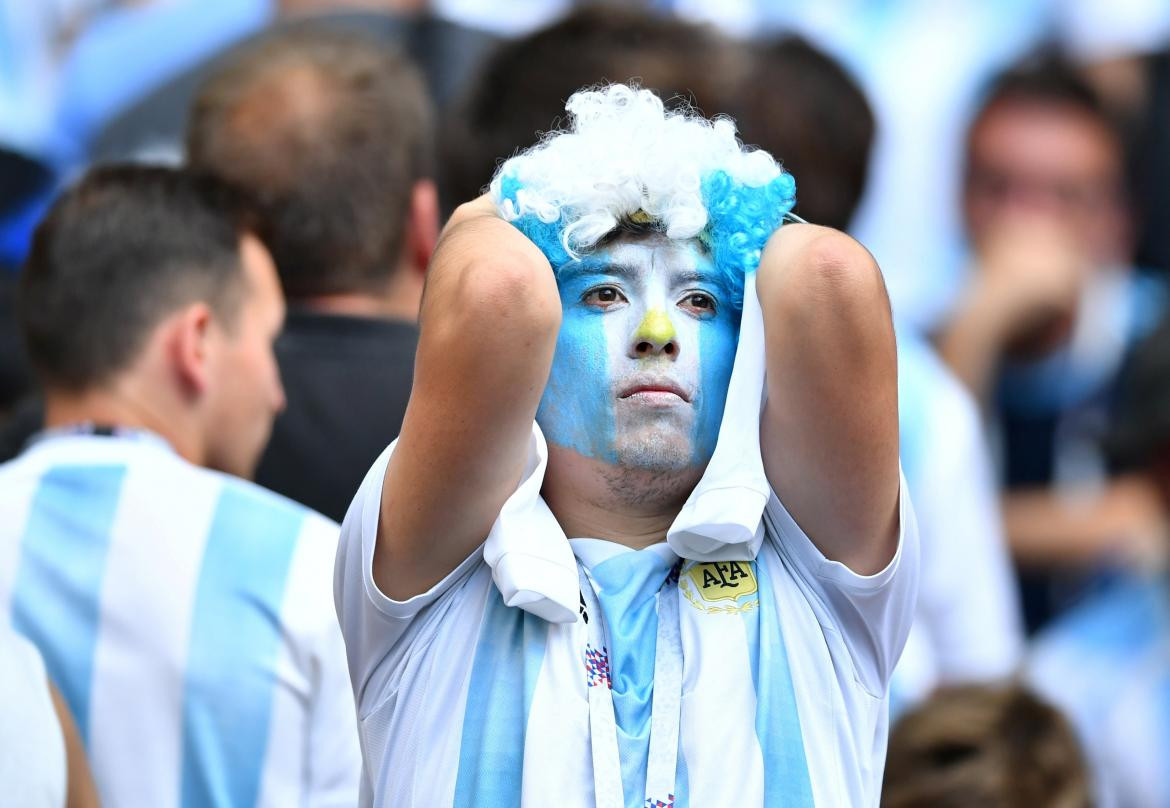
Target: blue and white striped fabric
[(464, 701), (186, 617), (1107, 665)]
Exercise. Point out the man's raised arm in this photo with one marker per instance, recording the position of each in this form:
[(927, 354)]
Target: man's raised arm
[(830, 427), (489, 323)]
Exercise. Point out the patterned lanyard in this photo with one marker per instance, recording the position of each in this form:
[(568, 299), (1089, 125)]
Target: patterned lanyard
[(665, 710)]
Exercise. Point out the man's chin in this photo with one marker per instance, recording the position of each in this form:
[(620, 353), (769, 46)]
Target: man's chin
[(659, 451)]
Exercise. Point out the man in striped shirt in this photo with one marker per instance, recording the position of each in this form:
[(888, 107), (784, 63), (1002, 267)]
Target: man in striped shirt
[(593, 571), (184, 613)]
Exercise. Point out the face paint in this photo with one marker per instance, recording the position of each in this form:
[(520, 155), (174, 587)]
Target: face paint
[(644, 355)]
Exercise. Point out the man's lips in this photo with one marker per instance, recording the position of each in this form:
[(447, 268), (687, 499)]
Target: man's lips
[(654, 390)]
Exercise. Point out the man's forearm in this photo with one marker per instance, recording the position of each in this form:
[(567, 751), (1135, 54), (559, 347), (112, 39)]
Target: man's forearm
[(830, 428), (489, 322)]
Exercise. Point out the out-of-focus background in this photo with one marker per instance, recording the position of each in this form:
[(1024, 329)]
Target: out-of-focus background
[(1006, 161)]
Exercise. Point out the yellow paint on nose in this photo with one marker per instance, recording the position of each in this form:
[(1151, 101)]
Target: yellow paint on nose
[(655, 327)]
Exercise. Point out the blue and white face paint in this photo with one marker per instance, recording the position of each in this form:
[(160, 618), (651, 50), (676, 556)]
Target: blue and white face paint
[(644, 355)]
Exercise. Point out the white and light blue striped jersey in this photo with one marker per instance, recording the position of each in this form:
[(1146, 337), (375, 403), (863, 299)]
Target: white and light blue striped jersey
[(1107, 666), (463, 700), (187, 618)]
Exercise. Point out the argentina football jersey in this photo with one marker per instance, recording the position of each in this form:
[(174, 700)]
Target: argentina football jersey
[(186, 618), (464, 700)]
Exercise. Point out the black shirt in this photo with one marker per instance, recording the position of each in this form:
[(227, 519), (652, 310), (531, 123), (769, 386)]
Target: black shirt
[(347, 380)]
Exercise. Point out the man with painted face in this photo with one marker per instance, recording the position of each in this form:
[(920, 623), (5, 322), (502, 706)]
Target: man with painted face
[(642, 540)]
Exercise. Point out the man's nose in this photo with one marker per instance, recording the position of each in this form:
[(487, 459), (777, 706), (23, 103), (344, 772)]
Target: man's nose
[(654, 336)]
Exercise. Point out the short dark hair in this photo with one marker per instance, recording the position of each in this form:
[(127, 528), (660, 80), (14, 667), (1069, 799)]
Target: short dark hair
[(984, 745), (523, 85), (1046, 76), (115, 255), (328, 130), (800, 105)]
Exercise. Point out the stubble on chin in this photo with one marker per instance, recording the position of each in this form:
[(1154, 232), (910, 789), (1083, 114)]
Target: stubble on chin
[(653, 468)]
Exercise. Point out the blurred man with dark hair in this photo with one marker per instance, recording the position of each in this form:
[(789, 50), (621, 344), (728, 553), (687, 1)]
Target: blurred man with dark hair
[(329, 133), (985, 747), (1051, 310), (1105, 662), (828, 140), (183, 613), (522, 86), (967, 624)]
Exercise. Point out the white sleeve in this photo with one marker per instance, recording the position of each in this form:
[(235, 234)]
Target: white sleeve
[(378, 630), (968, 605), (872, 613)]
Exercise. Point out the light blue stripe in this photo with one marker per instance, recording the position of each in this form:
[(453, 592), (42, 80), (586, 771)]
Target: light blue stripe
[(235, 639), (718, 342), (508, 658), (682, 782), (786, 776), (56, 593), (576, 410), (628, 586)]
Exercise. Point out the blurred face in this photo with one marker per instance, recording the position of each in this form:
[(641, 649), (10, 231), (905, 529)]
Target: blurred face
[(1051, 161), (245, 393), (644, 355)]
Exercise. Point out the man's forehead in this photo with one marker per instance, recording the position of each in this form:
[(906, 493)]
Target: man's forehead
[(634, 257)]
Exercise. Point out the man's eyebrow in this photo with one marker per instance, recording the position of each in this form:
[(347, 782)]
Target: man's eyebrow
[(709, 276), (585, 266)]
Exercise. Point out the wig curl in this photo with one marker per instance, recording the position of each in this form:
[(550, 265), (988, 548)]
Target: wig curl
[(625, 158)]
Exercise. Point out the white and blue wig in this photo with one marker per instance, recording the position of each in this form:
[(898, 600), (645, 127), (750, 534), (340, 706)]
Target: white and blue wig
[(625, 158)]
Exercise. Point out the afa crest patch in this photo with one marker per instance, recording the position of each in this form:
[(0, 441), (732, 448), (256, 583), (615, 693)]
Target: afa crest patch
[(727, 587)]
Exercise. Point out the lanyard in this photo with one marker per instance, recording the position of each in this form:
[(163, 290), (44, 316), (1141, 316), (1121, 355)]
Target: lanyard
[(666, 706)]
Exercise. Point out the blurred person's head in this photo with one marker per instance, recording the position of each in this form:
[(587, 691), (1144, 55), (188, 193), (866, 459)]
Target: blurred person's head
[(799, 104), (651, 221), (329, 133), (148, 302), (523, 85), (984, 746), (1043, 145)]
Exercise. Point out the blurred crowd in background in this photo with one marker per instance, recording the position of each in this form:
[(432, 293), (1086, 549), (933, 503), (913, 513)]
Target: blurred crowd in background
[(1006, 162)]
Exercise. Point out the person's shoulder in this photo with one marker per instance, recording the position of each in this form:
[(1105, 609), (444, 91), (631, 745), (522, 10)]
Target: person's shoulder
[(267, 510)]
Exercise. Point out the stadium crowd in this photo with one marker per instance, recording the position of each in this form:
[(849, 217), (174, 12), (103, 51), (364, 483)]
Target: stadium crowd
[(315, 489)]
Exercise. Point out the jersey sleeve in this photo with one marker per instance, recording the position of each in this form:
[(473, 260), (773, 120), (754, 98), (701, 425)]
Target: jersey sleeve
[(379, 631), (872, 613)]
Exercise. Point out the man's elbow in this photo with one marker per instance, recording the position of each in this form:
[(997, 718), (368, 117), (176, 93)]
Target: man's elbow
[(841, 271), (506, 295), (824, 271)]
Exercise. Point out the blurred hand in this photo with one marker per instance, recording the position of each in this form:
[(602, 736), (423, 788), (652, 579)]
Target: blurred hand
[(1031, 271)]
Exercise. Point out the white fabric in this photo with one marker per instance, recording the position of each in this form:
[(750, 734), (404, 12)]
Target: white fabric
[(32, 748), (166, 515), (967, 625), (413, 666)]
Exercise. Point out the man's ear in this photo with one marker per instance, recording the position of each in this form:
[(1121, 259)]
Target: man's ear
[(188, 347), (422, 224)]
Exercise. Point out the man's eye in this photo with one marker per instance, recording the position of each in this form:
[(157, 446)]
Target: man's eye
[(699, 302), (603, 296)]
